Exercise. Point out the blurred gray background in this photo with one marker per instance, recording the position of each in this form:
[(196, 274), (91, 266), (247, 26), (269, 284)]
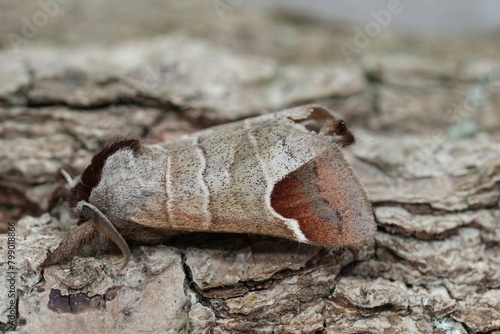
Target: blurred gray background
[(430, 17)]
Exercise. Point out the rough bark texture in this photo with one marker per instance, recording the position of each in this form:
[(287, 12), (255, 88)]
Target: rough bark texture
[(427, 119)]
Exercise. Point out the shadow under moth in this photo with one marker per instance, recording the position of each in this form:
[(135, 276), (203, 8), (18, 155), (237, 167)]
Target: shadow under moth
[(280, 174)]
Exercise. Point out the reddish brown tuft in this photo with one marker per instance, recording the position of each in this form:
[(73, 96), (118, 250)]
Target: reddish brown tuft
[(92, 174)]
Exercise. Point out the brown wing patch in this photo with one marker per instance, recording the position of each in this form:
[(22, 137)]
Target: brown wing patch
[(327, 200)]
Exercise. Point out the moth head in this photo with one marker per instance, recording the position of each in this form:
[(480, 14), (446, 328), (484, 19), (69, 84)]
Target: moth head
[(91, 220)]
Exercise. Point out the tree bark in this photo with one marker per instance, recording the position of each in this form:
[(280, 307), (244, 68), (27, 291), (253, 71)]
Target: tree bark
[(427, 151)]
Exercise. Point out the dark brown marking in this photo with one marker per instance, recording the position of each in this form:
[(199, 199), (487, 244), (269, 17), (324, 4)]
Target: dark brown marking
[(91, 176), (339, 128), (321, 121), (74, 303)]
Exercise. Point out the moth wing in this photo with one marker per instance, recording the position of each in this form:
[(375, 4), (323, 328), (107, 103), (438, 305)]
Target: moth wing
[(327, 200)]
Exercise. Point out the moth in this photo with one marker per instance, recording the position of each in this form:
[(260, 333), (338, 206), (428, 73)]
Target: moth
[(280, 174)]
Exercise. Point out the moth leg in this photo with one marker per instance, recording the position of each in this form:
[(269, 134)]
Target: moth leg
[(70, 245)]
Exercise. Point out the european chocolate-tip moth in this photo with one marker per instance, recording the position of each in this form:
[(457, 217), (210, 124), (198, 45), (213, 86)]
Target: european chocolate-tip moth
[(279, 174)]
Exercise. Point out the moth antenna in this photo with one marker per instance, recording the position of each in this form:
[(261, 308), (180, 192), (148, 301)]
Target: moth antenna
[(61, 191), (105, 227), (67, 177)]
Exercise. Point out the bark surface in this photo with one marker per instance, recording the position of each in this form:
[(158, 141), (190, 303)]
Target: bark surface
[(427, 122)]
